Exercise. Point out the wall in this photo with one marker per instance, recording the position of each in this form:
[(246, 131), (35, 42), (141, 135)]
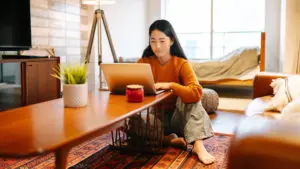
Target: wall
[(155, 10), (58, 23), (126, 21), (84, 29), (272, 29)]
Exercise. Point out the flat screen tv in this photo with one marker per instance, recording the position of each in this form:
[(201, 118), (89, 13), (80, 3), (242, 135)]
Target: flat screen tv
[(15, 25)]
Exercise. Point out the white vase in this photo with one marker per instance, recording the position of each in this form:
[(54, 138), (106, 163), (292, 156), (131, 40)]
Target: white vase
[(75, 95)]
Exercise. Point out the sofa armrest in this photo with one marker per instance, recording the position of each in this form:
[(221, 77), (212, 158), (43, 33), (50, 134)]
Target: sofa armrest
[(266, 144), (262, 81)]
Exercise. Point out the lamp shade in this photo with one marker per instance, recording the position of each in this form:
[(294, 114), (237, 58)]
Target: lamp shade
[(98, 2)]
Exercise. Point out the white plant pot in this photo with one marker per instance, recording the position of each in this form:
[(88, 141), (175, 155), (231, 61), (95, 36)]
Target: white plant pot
[(75, 95)]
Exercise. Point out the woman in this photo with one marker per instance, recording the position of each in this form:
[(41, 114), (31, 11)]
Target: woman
[(172, 71)]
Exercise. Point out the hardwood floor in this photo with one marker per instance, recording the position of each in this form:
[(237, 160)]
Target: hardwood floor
[(225, 122), (10, 97), (232, 104)]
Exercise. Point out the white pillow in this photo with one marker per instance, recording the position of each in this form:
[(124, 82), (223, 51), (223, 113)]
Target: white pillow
[(291, 111), (285, 90)]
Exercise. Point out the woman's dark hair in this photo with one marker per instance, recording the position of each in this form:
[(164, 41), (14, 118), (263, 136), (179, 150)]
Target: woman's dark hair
[(165, 27)]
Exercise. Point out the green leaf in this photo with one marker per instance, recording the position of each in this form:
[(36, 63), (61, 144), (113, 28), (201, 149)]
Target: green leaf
[(71, 74)]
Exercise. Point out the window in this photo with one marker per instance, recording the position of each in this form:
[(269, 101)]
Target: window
[(209, 29)]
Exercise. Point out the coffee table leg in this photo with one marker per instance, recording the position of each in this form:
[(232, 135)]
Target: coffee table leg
[(61, 158)]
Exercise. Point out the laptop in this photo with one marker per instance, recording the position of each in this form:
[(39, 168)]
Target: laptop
[(119, 75)]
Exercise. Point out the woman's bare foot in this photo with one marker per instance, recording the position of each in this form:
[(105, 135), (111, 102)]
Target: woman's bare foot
[(201, 152), (174, 140)]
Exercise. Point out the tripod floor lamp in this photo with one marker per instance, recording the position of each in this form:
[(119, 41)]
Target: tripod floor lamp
[(98, 17)]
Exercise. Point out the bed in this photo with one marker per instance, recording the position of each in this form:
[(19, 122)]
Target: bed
[(242, 76)]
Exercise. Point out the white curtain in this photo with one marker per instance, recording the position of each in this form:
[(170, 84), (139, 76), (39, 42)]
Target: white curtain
[(297, 60)]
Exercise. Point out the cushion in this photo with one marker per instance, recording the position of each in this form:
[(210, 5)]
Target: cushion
[(257, 105), (210, 100), (256, 108), (291, 111), (285, 90)]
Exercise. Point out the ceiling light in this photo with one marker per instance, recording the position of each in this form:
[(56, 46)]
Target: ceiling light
[(98, 2)]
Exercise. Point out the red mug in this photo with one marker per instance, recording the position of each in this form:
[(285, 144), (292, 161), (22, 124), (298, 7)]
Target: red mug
[(135, 93)]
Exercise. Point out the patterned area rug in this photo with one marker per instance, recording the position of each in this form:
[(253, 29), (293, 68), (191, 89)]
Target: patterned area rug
[(76, 155), (96, 154), (174, 158)]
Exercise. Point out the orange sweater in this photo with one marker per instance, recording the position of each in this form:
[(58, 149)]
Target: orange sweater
[(180, 73)]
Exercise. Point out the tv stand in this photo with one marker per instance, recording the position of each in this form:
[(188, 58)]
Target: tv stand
[(37, 84), (22, 57)]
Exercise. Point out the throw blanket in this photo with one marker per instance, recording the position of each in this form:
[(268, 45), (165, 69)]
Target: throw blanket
[(285, 90), (232, 66)]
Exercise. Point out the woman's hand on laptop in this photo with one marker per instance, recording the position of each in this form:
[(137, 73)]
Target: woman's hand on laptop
[(164, 86)]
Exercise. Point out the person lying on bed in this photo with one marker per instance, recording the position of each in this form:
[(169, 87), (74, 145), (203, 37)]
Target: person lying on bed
[(172, 71)]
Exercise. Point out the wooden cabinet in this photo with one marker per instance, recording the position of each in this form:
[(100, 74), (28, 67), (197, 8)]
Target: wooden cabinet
[(37, 83)]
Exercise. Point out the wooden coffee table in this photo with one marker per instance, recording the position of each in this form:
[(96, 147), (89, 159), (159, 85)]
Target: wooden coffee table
[(49, 127)]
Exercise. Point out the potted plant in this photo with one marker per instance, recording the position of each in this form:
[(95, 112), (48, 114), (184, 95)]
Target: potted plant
[(75, 89)]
